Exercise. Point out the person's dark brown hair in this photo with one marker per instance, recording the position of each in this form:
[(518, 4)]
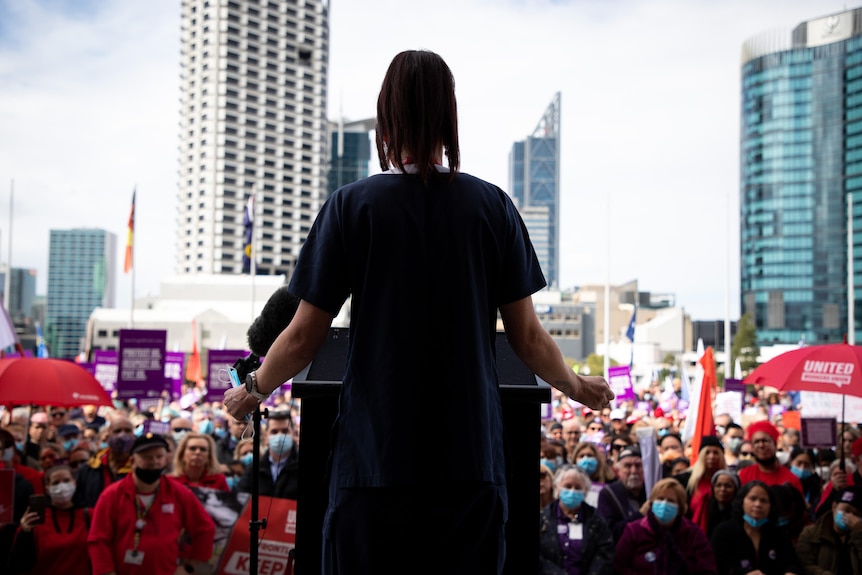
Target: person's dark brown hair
[(417, 114)]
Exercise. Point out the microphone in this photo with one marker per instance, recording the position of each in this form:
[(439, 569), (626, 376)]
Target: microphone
[(277, 313)]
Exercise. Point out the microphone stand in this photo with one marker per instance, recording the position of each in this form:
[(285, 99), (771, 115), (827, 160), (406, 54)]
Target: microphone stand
[(255, 524), (244, 366)]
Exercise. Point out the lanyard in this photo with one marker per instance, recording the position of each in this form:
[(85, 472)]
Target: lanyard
[(141, 520)]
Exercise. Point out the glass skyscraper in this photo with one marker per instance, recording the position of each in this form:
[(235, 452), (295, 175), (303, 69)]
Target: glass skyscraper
[(350, 152), (81, 277), (801, 155), (534, 182)]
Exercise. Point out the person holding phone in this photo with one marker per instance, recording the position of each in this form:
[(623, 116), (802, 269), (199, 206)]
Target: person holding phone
[(52, 536)]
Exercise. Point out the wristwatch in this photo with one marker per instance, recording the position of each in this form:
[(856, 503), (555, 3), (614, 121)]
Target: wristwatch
[(251, 387)]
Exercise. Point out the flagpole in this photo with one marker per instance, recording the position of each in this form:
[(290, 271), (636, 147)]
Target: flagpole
[(851, 287), (607, 310), (727, 342), (132, 303), (7, 281), (253, 256)]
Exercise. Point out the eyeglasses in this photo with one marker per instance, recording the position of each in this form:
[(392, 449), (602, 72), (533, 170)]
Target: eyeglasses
[(198, 448), (58, 413), (761, 441), (617, 447), (181, 430), (745, 453)]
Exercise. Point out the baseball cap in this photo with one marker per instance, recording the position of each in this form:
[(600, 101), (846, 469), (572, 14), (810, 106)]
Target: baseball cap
[(617, 414), (149, 440)]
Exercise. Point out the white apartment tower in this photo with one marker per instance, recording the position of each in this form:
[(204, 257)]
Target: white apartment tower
[(253, 97)]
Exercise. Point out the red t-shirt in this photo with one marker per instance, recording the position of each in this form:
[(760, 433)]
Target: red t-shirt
[(777, 477), (212, 480)]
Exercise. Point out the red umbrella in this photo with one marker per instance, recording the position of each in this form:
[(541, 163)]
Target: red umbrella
[(834, 368), (44, 381)]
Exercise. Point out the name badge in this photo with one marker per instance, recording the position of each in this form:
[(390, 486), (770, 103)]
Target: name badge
[(576, 531), (134, 557), (167, 507)]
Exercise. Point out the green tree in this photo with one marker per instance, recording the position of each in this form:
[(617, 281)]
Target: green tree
[(668, 362), (745, 344), (596, 364)]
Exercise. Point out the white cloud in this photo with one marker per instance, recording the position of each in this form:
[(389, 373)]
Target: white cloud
[(650, 117)]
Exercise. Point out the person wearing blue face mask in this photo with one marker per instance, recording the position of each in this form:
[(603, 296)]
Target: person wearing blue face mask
[(68, 434), (279, 465), (834, 543), (664, 540), (751, 540), (573, 538), (801, 464)]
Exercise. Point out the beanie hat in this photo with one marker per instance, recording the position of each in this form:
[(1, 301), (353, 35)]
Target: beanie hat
[(765, 427), (708, 440)]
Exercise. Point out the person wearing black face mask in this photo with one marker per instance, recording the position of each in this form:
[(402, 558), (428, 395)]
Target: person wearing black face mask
[(138, 521), (107, 466)]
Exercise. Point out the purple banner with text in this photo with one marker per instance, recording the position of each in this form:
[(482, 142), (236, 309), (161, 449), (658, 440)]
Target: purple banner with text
[(142, 365), (218, 362), (105, 372), (620, 380), (174, 361)]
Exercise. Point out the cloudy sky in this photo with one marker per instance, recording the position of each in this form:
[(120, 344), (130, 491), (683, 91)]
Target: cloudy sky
[(650, 120)]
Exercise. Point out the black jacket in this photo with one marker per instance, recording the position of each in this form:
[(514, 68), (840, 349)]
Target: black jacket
[(285, 487), (735, 553), (598, 551), (616, 508)]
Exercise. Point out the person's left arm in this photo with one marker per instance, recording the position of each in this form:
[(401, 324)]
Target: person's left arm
[(294, 349)]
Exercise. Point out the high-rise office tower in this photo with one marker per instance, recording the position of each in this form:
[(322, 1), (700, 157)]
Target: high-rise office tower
[(534, 182), (801, 173), (350, 152), (81, 277), (22, 292), (253, 97)]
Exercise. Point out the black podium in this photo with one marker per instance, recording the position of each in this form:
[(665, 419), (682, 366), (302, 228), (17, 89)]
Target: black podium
[(318, 386)]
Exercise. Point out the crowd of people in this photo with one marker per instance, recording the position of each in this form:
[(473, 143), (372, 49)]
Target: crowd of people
[(751, 501), (97, 491)]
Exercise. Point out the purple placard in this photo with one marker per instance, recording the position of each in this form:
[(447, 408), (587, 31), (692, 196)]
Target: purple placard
[(218, 362), (818, 432), (620, 380), (775, 410), (142, 364), (106, 362), (174, 361), (158, 427), (734, 385)]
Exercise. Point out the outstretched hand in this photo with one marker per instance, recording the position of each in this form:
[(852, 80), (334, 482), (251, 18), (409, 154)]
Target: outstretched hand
[(593, 391)]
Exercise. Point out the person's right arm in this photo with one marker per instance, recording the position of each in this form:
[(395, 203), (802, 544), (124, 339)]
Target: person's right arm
[(102, 532), (537, 349)]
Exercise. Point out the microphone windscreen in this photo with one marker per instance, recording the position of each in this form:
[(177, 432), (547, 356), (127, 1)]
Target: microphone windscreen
[(275, 316)]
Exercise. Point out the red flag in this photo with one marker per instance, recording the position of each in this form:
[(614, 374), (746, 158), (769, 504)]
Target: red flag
[(193, 369), (127, 265), (704, 424)]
